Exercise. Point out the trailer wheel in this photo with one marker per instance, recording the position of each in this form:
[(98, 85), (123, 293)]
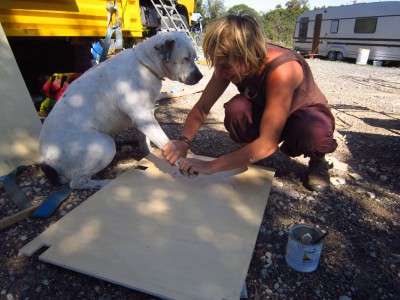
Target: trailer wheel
[(339, 56), (332, 55)]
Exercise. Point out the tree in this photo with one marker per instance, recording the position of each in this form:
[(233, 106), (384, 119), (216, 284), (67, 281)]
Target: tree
[(199, 7), (297, 6), (279, 24), (212, 9), (238, 8)]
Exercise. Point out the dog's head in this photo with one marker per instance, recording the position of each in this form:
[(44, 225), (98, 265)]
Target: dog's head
[(177, 54)]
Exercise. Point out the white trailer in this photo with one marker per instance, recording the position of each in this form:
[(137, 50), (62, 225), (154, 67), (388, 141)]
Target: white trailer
[(344, 31)]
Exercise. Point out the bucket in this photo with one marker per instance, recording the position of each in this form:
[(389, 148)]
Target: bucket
[(302, 253), (362, 57)]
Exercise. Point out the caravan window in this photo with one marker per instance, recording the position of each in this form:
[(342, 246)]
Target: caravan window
[(365, 25), (303, 28), (334, 26)]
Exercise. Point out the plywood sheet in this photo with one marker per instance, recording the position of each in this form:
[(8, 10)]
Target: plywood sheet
[(160, 232), (19, 123)]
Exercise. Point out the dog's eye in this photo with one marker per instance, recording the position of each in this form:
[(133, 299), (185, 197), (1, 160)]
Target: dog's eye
[(187, 58)]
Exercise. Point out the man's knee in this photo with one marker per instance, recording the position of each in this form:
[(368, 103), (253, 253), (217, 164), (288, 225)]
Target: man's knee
[(239, 120), (309, 132), (238, 106)]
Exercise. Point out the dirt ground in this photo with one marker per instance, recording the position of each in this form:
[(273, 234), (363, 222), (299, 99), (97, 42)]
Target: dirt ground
[(360, 212)]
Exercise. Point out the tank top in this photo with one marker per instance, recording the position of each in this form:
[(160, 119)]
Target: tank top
[(307, 94)]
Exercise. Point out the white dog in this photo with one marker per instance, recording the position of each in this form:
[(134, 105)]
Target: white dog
[(76, 138)]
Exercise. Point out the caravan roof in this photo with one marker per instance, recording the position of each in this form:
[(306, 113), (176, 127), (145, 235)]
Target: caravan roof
[(384, 8)]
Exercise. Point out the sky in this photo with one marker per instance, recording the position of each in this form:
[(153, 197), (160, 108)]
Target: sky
[(267, 5)]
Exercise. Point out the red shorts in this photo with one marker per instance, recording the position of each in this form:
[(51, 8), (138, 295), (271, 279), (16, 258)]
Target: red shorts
[(308, 131)]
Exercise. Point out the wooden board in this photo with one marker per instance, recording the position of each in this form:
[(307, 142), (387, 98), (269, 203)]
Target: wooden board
[(160, 232), (19, 123)]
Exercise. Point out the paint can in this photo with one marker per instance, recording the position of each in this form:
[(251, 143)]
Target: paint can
[(362, 57), (302, 253)]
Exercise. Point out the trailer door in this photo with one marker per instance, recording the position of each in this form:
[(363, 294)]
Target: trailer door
[(317, 31), (303, 28)]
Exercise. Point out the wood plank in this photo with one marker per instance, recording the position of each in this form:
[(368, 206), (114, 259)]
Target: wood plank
[(160, 232), (19, 123), (22, 215)]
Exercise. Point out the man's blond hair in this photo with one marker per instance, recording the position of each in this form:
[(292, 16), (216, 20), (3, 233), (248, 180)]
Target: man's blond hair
[(240, 38)]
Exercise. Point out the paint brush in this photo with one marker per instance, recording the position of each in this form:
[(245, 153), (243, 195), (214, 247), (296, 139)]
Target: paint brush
[(320, 238)]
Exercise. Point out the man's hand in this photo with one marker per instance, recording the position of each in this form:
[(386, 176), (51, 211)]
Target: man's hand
[(194, 165)]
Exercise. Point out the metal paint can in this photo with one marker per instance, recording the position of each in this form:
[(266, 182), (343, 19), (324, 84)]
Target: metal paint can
[(302, 253)]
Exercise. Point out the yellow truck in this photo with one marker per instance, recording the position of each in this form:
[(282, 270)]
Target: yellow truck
[(83, 18), (56, 36)]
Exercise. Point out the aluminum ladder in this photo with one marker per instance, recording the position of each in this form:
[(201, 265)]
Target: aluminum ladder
[(172, 21)]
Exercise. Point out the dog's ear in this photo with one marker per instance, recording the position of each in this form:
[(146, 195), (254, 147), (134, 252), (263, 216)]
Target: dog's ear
[(165, 49)]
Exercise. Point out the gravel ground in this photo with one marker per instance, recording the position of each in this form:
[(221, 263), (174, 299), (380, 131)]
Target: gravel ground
[(360, 212)]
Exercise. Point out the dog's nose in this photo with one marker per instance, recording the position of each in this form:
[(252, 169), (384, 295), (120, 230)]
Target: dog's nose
[(198, 76), (194, 77)]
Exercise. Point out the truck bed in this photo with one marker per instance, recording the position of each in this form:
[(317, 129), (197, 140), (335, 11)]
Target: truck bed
[(69, 18)]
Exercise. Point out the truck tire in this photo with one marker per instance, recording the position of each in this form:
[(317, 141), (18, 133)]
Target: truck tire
[(332, 55), (340, 56)]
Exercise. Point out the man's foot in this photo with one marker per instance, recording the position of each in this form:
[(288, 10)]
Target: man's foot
[(318, 177)]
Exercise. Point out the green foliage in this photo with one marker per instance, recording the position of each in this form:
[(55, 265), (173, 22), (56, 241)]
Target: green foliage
[(199, 7), (211, 10), (297, 6), (279, 24), (238, 8)]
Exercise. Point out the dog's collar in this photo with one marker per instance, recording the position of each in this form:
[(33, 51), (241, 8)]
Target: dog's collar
[(148, 68)]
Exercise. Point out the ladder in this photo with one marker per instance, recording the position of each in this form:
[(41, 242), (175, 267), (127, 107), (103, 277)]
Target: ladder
[(172, 20)]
